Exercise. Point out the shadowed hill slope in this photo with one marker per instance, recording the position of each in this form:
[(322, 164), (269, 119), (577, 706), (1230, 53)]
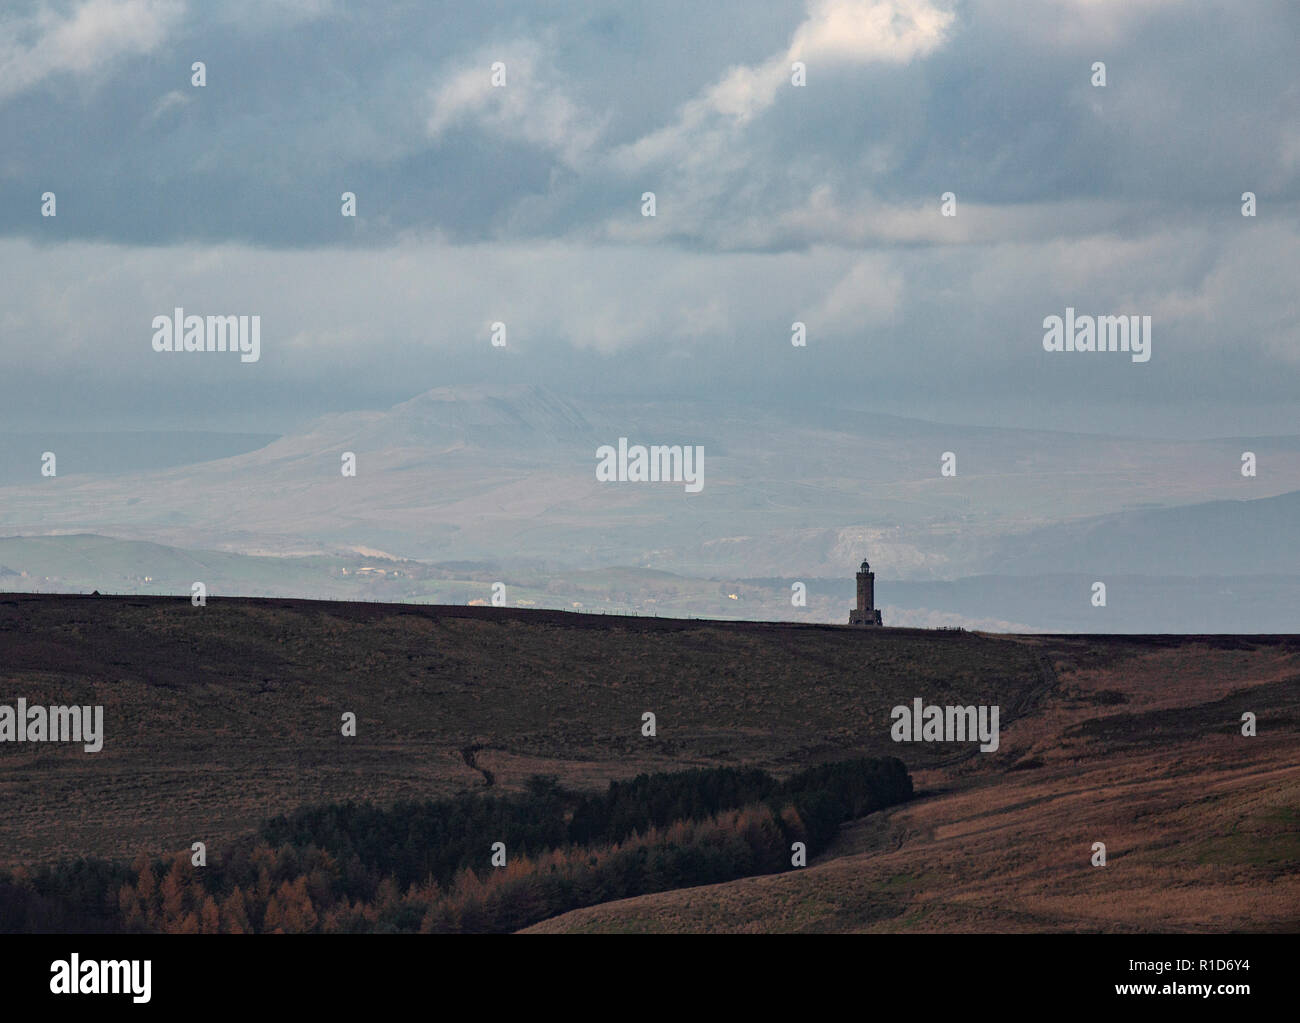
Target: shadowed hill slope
[(216, 717), (219, 717), (1139, 747)]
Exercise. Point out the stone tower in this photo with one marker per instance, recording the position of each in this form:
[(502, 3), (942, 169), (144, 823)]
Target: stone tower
[(865, 613)]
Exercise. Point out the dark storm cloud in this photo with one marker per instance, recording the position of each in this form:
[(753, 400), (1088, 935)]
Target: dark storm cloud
[(776, 203), (997, 106)]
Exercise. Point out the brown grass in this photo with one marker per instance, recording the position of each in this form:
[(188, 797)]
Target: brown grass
[(1202, 833), (220, 717)]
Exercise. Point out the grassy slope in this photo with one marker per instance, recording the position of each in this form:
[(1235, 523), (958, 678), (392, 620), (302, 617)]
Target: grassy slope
[(1201, 824), (217, 717)]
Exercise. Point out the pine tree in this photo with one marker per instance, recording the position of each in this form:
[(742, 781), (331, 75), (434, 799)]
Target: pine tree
[(234, 913), (210, 918)]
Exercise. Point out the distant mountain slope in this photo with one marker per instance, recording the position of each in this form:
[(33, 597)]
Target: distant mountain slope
[(509, 475), (1229, 538)]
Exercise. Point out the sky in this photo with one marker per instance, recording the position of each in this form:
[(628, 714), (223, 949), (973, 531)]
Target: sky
[(522, 204)]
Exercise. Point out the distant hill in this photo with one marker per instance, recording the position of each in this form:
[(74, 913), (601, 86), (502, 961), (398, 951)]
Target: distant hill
[(508, 475), (1224, 538), (1052, 602)]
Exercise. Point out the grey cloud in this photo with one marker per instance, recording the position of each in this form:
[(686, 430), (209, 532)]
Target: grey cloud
[(775, 203)]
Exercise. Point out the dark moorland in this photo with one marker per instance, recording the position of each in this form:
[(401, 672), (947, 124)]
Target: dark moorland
[(219, 719)]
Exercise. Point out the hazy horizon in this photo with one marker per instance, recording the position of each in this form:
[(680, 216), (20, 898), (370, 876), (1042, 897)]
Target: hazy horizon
[(970, 289)]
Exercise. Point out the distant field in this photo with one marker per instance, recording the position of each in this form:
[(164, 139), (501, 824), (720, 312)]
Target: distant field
[(219, 717)]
